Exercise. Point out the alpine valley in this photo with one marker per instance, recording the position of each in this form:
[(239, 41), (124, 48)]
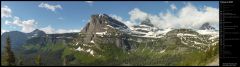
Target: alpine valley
[(105, 41)]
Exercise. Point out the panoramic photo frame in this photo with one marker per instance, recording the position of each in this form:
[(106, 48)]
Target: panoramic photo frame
[(110, 33)]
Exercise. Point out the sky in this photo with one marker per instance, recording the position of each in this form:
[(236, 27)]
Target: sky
[(64, 17)]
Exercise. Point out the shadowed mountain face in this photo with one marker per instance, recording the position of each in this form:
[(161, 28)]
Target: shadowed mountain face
[(147, 22), (99, 22), (35, 37), (105, 29), (17, 38), (206, 26)]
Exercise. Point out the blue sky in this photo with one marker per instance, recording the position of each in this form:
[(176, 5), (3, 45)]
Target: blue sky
[(73, 15)]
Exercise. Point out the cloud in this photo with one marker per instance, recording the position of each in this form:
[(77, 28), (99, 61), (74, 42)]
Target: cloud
[(26, 25), (128, 23), (188, 16), (137, 15), (173, 6), (50, 30), (90, 2), (194, 17), (50, 7), (3, 31), (5, 12), (166, 1)]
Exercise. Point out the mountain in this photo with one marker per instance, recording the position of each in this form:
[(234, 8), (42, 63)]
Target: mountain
[(36, 33), (147, 29), (193, 39), (36, 37), (206, 26), (39, 37), (104, 29), (17, 38), (147, 22), (106, 41)]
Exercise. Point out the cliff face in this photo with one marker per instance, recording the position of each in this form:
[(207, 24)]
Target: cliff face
[(104, 29)]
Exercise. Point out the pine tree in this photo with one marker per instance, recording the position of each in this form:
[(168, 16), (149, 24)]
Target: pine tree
[(64, 61), (20, 61), (8, 54), (38, 60)]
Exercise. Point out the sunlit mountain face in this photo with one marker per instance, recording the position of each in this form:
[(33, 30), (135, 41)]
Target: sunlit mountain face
[(107, 33)]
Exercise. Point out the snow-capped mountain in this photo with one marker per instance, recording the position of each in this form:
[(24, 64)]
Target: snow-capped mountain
[(36, 33), (206, 26), (194, 39), (106, 39), (103, 29), (147, 29)]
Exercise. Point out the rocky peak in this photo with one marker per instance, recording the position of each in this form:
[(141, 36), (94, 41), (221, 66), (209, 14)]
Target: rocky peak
[(147, 22), (103, 28), (99, 23), (206, 26), (37, 33)]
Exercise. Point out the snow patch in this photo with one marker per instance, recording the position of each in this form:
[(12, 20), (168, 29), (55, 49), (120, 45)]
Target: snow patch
[(197, 42), (162, 51), (79, 49), (69, 37), (163, 31), (181, 34), (110, 26), (105, 28), (84, 44), (101, 33), (90, 51), (205, 32), (213, 37), (92, 41)]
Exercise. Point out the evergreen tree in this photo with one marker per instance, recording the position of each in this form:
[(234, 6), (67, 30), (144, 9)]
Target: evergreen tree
[(38, 60), (8, 54), (20, 61), (64, 61)]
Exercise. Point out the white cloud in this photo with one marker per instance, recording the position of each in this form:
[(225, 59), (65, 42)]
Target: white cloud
[(3, 31), (173, 6), (67, 31), (5, 12), (193, 17), (137, 15), (7, 22), (128, 23), (90, 2), (50, 7), (188, 16), (26, 25), (166, 1), (50, 30)]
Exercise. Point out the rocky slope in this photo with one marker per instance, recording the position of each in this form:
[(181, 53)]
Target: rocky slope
[(103, 29)]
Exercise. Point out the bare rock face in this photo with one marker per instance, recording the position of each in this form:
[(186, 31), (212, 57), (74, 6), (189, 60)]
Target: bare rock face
[(104, 29), (147, 22), (206, 26)]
